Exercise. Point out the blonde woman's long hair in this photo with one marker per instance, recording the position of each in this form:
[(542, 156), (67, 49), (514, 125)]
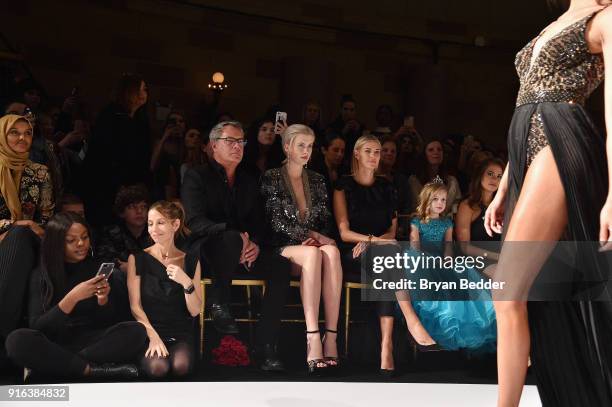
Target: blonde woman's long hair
[(425, 198), (361, 141)]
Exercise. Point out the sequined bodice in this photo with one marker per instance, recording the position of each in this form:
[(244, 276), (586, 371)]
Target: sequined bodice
[(431, 234), (564, 70)]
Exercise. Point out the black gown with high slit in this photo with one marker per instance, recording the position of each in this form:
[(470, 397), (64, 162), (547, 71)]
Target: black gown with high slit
[(571, 341)]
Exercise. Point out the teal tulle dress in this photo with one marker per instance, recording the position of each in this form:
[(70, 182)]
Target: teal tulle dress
[(454, 325)]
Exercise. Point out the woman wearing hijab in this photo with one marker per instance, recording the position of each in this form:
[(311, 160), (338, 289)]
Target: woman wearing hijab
[(26, 203)]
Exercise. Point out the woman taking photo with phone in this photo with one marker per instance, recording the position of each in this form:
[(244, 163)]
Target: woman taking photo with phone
[(70, 312), (164, 289)]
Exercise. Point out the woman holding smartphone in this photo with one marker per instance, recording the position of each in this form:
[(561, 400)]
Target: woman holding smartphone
[(71, 314), (162, 285)]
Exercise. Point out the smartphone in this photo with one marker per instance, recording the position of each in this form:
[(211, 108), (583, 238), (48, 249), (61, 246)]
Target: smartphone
[(106, 269), (409, 121), (281, 117)]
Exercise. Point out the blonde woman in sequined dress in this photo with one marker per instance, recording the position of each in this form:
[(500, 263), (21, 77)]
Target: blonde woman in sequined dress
[(298, 213), (554, 188)]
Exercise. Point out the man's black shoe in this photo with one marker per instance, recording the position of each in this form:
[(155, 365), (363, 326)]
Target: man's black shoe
[(222, 319), (112, 371), (267, 358)]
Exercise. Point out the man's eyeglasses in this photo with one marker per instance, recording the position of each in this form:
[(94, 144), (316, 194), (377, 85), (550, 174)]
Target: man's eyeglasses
[(231, 142)]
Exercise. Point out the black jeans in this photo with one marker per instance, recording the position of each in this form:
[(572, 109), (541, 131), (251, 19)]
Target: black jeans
[(121, 343), (18, 257), (220, 255)]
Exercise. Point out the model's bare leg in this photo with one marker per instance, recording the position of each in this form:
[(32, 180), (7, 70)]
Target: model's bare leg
[(332, 290), (386, 343), (540, 215), (308, 259)]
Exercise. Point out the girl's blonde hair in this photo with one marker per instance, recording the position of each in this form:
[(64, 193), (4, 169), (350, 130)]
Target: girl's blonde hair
[(361, 141), (172, 210), (425, 198)]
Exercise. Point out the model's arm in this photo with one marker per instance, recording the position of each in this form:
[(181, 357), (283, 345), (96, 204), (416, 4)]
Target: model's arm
[(605, 25)]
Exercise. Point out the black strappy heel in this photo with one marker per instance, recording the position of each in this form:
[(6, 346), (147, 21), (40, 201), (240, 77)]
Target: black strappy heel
[(314, 365), (333, 362)]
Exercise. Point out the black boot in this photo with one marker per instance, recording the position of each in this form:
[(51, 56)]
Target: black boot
[(267, 359), (222, 319), (112, 371)]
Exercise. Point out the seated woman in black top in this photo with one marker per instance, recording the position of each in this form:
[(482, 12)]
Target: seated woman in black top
[(469, 226), (162, 285), (365, 207), (71, 314), (296, 209)]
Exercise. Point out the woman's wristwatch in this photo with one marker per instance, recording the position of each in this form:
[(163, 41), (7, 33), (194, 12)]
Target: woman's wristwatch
[(189, 289)]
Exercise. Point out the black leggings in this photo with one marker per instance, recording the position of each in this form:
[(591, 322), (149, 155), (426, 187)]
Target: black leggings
[(18, 255), (221, 255), (180, 362), (121, 343)]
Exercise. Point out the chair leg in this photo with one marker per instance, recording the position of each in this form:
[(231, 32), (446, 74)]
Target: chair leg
[(202, 320), (347, 318)]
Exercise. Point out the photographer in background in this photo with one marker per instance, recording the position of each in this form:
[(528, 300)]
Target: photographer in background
[(167, 155)]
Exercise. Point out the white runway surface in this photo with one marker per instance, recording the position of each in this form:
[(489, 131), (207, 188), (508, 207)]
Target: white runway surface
[(278, 394)]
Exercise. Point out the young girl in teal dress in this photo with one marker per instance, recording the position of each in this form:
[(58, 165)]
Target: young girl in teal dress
[(452, 324)]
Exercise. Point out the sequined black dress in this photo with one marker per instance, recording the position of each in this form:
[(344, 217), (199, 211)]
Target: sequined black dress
[(287, 226), (571, 342)]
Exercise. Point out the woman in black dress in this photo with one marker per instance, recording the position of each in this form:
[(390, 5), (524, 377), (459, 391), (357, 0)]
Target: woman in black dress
[(554, 187), (365, 208), (469, 223), (71, 314), (162, 284), (298, 213)]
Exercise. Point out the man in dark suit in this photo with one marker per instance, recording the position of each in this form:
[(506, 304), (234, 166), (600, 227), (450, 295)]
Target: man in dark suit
[(225, 214)]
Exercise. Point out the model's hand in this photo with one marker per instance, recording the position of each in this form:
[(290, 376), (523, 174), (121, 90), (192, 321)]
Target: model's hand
[(605, 231), (494, 216)]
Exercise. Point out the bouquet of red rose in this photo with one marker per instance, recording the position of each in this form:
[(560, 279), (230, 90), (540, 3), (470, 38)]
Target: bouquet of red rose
[(231, 352)]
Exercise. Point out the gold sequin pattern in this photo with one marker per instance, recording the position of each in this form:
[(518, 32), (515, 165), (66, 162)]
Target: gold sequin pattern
[(564, 70)]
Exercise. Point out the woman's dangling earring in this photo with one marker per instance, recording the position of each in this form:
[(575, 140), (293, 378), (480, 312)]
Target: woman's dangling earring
[(91, 251)]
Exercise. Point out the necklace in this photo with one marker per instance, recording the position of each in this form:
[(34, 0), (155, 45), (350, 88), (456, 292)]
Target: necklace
[(164, 256)]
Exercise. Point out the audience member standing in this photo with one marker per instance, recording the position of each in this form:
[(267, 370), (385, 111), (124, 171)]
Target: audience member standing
[(119, 152)]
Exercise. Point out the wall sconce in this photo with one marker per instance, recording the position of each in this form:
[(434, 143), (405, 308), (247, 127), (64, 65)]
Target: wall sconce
[(217, 82)]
